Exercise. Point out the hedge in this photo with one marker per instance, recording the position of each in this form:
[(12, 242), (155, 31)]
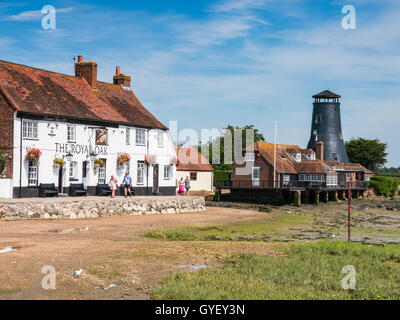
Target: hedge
[(386, 186), (221, 175)]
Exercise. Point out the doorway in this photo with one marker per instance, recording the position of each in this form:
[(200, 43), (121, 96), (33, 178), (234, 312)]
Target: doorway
[(84, 173), (60, 179), (155, 179)]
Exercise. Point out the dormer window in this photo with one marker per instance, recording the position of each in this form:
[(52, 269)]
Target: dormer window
[(298, 157)]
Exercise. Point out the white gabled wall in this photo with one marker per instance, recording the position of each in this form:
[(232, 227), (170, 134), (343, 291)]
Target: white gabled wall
[(204, 180), (85, 137)]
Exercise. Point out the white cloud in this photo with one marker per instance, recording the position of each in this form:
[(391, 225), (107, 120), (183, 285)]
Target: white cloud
[(33, 15), (234, 5)]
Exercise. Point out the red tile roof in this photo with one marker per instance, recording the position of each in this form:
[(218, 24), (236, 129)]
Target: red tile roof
[(42, 92), (192, 160), (286, 164), (283, 164)]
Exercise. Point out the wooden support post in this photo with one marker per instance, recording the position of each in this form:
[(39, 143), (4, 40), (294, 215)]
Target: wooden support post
[(297, 198), (326, 196), (218, 195), (344, 195), (316, 197), (364, 194), (336, 196)]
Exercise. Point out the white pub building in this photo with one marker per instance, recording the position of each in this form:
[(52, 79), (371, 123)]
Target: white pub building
[(62, 130)]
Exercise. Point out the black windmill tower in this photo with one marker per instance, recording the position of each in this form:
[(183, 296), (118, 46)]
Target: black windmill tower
[(326, 126)]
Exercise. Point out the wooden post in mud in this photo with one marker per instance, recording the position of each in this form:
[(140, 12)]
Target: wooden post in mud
[(297, 198), (316, 197), (326, 196), (349, 213), (218, 195)]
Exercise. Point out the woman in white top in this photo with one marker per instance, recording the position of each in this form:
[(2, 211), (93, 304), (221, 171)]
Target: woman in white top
[(113, 186)]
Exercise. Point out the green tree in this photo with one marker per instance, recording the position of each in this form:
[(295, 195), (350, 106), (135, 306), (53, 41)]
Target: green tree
[(369, 153), (220, 142)]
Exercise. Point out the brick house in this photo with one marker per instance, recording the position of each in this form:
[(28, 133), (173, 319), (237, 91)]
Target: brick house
[(296, 169), (78, 119)]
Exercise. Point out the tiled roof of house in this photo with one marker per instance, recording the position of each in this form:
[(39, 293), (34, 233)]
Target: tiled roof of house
[(348, 166), (42, 92), (284, 164), (313, 166), (189, 159)]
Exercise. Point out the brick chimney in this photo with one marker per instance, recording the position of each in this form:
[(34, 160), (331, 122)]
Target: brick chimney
[(121, 78), (320, 150), (86, 70)]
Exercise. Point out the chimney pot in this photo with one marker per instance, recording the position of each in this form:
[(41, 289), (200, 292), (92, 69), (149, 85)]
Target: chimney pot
[(86, 70), (118, 72)]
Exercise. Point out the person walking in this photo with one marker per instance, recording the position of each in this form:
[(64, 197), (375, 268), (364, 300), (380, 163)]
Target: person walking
[(181, 190), (127, 183), (113, 186), (187, 185)]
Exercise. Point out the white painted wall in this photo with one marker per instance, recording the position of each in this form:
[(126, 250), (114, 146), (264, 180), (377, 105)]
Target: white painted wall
[(204, 180), (85, 135), (6, 188)]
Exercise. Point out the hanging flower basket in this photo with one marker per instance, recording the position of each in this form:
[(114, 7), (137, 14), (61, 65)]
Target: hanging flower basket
[(58, 162), (174, 161), (98, 163), (33, 155), (150, 160), (122, 159)]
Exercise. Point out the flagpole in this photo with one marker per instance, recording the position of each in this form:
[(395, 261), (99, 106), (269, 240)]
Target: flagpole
[(276, 125)]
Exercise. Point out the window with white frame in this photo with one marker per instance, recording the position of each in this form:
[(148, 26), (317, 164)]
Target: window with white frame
[(312, 177), (71, 133), (32, 174), (140, 172), (167, 172), (29, 129), (73, 170), (140, 137), (249, 156), (331, 180), (127, 136), (255, 175), (160, 139), (102, 173)]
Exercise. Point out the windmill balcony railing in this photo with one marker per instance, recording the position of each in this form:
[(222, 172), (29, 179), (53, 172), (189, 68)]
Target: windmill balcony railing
[(290, 185)]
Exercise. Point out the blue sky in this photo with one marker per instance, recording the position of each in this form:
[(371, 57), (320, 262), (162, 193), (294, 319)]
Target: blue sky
[(208, 64)]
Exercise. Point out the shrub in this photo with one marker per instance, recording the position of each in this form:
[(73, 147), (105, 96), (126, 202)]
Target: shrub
[(221, 175), (386, 186), (3, 161)]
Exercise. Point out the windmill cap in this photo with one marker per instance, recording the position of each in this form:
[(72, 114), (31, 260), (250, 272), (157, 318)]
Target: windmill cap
[(326, 94)]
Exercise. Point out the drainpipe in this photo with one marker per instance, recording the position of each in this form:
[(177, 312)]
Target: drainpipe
[(147, 171), (20, 160)]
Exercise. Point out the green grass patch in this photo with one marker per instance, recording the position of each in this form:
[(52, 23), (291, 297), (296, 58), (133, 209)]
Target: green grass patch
[(305, 271), (250, 230)]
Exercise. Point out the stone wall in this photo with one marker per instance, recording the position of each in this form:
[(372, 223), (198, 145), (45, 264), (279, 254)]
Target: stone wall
[(98, 207)]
